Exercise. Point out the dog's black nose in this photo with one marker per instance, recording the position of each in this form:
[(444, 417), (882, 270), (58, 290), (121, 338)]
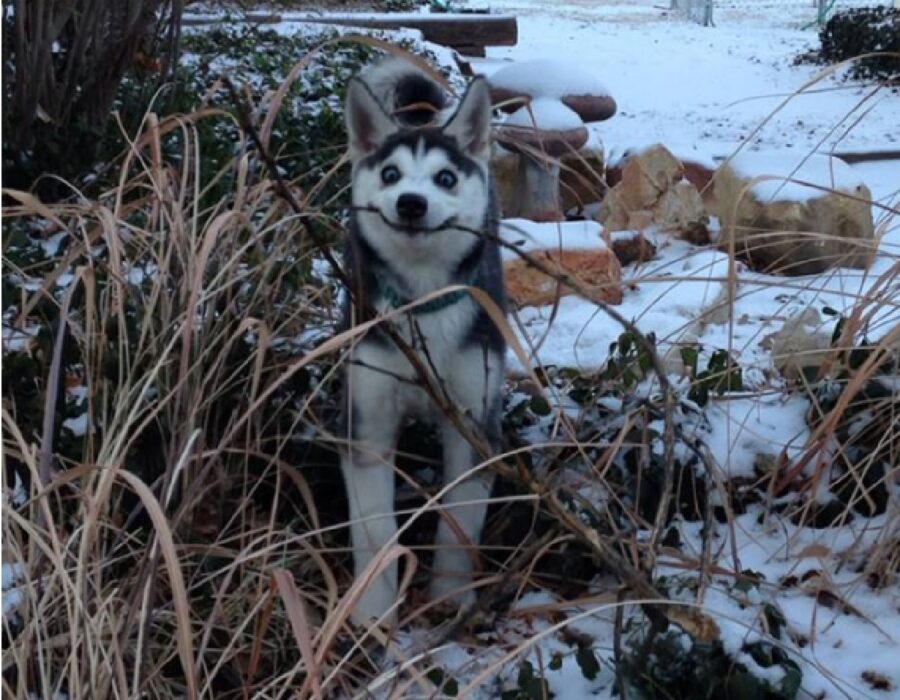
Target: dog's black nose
[(411, 206)]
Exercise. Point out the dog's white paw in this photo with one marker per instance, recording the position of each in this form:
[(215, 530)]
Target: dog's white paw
[(452, 589), (374, 605)]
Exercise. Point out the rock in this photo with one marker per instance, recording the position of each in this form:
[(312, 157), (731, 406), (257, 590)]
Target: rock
[(701, 176), (631, 247), (696, 232), (464, 64), (640, 220), (647, 176), (776, 224), (599, 269), (651, 190), (505, 173), (613, 213), (591, 108), (582, 177), (680, 210), (801, 347)]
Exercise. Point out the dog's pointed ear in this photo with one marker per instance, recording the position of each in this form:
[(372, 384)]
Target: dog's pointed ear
[(471, 125), (368, 125)]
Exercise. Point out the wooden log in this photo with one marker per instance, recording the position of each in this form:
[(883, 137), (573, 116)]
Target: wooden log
[(867, 156), (471, 50), (454, 30)]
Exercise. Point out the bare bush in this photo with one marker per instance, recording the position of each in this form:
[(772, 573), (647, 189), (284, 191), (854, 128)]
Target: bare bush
[(62, 63)]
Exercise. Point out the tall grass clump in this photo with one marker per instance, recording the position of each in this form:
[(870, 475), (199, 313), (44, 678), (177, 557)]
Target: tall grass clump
[(155, 420)]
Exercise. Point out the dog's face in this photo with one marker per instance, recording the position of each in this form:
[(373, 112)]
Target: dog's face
[(417, 190)]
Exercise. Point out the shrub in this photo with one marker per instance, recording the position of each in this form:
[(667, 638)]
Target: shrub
[(180, 395), (860, 417), (307, 136), (62, 63), (862, 30), (676, 667)]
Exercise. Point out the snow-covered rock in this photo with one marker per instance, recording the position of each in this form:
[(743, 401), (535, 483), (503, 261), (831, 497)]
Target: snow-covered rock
[(570, 83), (575, 249), (795, 215)]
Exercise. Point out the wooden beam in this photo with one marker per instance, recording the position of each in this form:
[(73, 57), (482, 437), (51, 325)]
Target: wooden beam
[(463, 30), (471, 50)]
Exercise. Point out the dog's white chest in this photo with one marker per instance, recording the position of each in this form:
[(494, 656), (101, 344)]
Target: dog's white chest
[(438, 339)]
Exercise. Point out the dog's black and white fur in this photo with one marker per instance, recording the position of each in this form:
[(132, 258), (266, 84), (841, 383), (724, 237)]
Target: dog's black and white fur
[(422, 202)]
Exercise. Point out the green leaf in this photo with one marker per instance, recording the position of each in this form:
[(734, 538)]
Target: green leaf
[(793, 678), (447, 684), (690, 356), (540, 406), (718, 362), (556, 662), (736, 381), (526, 673), (699, 394), (743, 685), (775, 619), (518, 410), (645, 362), (538, 689), (531, 687), (587, 662)]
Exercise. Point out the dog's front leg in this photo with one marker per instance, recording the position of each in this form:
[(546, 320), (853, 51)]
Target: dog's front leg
[(373, 421), (462, 516), (476, 387)]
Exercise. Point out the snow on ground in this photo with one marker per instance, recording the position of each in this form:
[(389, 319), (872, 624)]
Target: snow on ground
[(684, 284), (707, 93), (698, 89), (702, 91), (13, 574), (18, 339)]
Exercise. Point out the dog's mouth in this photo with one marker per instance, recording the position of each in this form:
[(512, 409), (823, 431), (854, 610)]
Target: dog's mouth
[(409, 228)]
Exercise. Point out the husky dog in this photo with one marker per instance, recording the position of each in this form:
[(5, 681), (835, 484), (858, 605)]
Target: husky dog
[(422, 200)]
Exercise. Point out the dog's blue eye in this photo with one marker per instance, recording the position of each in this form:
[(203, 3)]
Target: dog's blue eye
[(445, 179), (390, 175)]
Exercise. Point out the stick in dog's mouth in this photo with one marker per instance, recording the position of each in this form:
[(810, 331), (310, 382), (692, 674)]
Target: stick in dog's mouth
[(408, 230)]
